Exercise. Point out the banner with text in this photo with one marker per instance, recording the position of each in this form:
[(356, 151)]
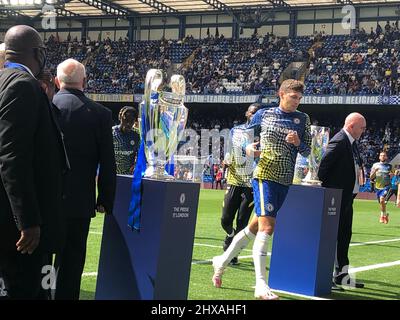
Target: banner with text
[(235, 99), (345, 100), (110, 97), (342, 100), (195, 98)]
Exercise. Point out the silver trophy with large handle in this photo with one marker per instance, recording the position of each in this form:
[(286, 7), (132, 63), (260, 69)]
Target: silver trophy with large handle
[(306, 169), (162, 121)]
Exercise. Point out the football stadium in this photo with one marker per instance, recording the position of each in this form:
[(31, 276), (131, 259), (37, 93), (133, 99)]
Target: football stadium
[(216, 150)]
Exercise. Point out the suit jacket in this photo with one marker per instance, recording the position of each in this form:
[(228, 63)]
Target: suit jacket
[(32, 161), (88, 139), (337, 166)]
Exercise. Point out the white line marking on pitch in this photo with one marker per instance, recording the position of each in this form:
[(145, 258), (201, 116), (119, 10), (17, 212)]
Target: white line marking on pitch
[(354, 244), (210, 260), (214, 246), (299, 295), (375, 266), (373, 242), (351, 270), (89, 274)]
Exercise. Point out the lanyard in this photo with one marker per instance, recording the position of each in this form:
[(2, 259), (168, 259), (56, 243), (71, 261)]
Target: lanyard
[(14, 65)]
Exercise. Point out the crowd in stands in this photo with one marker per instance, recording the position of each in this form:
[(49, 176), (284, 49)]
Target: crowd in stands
[(364, 63), (252, 65)]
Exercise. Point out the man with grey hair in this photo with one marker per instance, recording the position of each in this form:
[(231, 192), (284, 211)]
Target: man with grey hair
[(89, 142)]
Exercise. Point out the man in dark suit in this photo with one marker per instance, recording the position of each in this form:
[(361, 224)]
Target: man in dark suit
[(341, 168), (32, 163), (88, 140)]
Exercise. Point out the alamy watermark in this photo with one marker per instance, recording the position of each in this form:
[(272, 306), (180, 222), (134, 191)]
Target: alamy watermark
[(49, 277), (48, 11), (48, 281), (3, 290), (349, 20), (49, 17), (347, 280)]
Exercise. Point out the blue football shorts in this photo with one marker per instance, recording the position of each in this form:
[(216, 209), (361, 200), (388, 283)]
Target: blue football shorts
[(268, 197), (382, 192)]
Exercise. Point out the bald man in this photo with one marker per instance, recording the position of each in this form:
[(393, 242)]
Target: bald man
[(32, 163), (341, 168), (89, 143)]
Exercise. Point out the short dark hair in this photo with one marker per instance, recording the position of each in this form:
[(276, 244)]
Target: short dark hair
[(292, 85), (127, 110), (46, 77), (255, 105)]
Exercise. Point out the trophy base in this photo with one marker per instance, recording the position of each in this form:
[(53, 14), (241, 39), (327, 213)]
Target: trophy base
[(165, 177), (311, 182), (157, 173)]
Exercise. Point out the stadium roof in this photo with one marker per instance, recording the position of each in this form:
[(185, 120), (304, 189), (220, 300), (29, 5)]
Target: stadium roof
[(123, 8)]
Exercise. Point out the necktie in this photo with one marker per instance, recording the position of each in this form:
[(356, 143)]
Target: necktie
[(357, 159), (356, 154)]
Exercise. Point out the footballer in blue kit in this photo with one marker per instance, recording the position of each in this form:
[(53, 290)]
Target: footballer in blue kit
[(381, 173), (275, 170), (126, 141), (284, 132)]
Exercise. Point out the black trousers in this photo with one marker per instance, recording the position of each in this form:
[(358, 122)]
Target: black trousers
[(237, 200), (21, 275), (70, 261), (218, 182), (344, 234), (390, 193)]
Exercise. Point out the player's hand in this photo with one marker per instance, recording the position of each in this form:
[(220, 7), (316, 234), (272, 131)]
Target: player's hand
[(251, 150), (100, 209), (293, 138), (29, 240)]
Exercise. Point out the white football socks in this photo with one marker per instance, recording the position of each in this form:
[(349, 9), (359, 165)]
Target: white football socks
[(260, 257), (239, 242)]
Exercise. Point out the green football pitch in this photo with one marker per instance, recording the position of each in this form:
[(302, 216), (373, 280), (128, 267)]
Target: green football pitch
[(374, 256)]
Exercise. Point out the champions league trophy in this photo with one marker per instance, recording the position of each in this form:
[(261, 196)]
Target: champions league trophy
[(306, 169), (162, 122)]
